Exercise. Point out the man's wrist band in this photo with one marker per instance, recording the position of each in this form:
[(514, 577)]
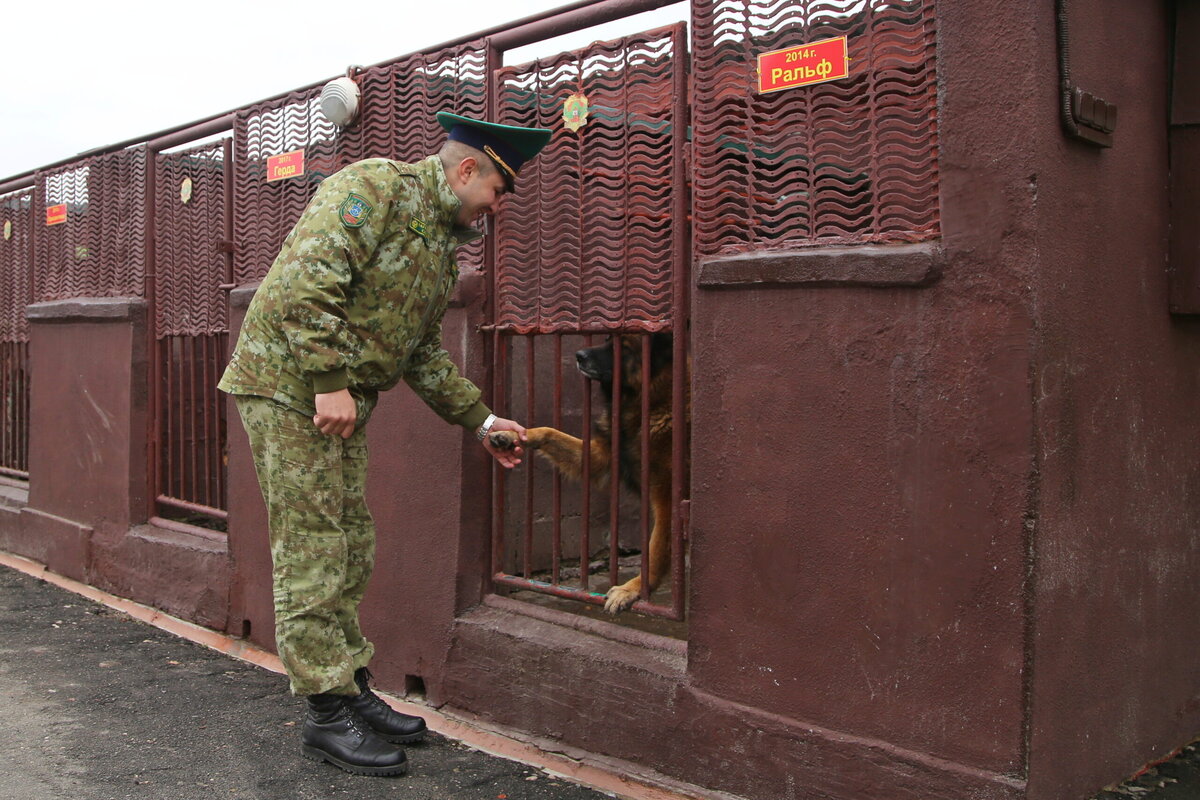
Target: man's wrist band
[(485, 427)]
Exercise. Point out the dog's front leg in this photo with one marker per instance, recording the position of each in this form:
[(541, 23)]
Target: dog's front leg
[(622, 597), (564, 451)]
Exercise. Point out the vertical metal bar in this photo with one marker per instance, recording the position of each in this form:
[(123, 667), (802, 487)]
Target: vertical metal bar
[(222, 427), (585, 475), (12, 405), (13, 408), (211, 399), (205, 444), (681, 375), (498, 542), (189, 410), (223, 434), (556, 514), (178, 403), (213, 447), (7, 380), (12, 401), (166, 449), (645, 471), (25, 402), (530, 386), (491, 349), (31, 296), (6, 386), (153, 370), (614, 480)]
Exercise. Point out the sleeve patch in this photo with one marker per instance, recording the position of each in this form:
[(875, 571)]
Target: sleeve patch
[(354, 211)]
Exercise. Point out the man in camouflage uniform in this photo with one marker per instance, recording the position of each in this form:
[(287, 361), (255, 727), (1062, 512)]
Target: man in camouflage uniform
[(352, 305)]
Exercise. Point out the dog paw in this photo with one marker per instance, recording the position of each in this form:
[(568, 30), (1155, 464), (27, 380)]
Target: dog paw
[(619, 598), (503, 440)]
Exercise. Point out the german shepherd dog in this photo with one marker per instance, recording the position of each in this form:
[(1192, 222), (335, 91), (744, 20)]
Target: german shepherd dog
[(566, 452)]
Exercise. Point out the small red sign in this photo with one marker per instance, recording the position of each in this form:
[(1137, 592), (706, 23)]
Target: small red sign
[(285, 165), (56, 214), (804, 64)]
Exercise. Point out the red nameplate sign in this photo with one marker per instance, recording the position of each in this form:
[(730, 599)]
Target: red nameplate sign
[(56, 214), (804, 64), (285, 165)]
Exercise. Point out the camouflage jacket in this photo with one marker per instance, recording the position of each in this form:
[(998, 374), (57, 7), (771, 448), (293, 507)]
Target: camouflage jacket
[(355, 298)]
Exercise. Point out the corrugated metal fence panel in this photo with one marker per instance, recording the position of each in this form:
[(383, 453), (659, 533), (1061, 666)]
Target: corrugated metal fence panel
[(189, 267), (264, 211), (16, 230), (397, 121), (589, 245), (852, 160), (100, 250), (401, 99)]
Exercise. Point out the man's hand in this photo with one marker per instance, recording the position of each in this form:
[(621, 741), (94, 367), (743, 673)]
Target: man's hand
[(336, 413), (507, 458)]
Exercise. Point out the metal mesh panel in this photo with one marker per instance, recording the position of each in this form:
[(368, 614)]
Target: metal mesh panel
[(589, 247), (401, 99), (16, 230), (189, 266), (397, 121), (264, 210), (99, 251), (852, 160)]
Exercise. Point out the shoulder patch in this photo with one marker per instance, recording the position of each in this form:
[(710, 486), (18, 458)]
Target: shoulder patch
[(354, 211), (418, 227)]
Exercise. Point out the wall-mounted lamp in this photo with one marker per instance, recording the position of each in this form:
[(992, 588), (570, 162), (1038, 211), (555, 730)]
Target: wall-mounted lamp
[(339, 101)]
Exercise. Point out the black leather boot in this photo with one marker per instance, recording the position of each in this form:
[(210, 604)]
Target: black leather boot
[(386, 722), (334, 733)]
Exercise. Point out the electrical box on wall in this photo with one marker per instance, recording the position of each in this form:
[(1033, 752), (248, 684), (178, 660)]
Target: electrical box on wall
[(1184, 133)]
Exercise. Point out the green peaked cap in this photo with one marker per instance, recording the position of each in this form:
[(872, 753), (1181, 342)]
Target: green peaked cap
[(509, 146)]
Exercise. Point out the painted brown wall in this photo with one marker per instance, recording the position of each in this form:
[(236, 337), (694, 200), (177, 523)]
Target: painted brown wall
[(859, 540), (1116, 681), (90, 354), (87, 503)]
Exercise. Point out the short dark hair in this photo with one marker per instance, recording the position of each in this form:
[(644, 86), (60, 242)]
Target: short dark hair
[(453, 152)]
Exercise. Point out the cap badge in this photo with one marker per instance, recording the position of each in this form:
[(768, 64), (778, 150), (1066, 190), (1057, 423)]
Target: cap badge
[(500, 162), (575, 111)]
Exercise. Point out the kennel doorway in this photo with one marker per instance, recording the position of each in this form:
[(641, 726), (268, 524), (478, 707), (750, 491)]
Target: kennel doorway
[(597, 246), (193, 267)]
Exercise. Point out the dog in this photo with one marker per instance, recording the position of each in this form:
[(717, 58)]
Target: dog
[(565, 452)]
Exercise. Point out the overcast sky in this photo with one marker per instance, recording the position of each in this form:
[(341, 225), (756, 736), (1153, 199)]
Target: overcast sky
[(77, 76)]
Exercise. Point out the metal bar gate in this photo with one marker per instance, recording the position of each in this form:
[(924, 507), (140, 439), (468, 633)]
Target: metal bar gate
[(16, 291), (597, 247)]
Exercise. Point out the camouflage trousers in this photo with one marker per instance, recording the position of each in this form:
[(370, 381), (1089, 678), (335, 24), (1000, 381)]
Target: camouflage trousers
[(322, 543)]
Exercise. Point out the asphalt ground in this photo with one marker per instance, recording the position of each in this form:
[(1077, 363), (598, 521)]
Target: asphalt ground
[(96, 705)]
